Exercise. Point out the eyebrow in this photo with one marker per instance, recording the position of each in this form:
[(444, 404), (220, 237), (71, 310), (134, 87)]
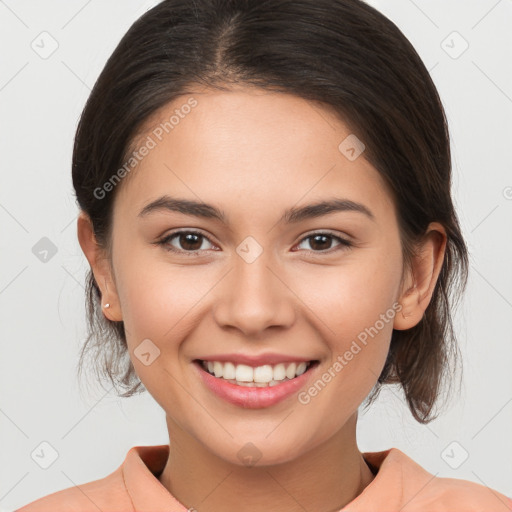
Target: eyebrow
[(290, 216)]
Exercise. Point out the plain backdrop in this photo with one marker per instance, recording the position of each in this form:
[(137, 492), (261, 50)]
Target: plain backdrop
[(467, 47)]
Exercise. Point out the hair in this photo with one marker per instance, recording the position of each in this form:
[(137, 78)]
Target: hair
[(343, 54)]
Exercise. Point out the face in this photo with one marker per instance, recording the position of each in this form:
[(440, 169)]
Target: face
[(255, 282)]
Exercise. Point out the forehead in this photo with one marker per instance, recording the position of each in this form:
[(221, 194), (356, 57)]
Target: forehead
[(252, 148)]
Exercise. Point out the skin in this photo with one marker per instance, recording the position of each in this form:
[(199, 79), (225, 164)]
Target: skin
[(254, 154)]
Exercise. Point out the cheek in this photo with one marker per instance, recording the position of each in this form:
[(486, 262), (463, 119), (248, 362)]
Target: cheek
[(157, 299), (351, 296), (159, 303), (354, 309)]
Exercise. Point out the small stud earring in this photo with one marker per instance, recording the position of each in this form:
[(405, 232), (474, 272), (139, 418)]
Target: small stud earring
[(106, 305)]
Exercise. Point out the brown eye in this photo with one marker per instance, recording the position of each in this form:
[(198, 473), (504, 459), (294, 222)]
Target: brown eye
[(322, 242), (185, 242)]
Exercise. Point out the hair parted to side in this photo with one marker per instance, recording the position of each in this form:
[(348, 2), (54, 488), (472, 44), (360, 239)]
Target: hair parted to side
[(341, 53)]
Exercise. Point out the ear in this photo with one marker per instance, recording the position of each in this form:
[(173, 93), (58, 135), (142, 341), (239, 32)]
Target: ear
[(422, 278), (100, 267)]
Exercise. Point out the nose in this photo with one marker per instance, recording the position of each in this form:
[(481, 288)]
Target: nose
[(253, 297)]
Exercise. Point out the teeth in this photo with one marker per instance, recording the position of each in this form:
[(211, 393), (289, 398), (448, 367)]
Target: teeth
[(290, 371), (229, 371), (260, 376), (218, 369), (279, 372), (263, 374), (301, 368), (256, 384), (243, 373)]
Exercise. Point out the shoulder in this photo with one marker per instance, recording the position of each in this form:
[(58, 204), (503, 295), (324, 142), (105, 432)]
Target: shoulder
[(402, 484), (424, 491), (447, 494), (107, 493), (132, 485)]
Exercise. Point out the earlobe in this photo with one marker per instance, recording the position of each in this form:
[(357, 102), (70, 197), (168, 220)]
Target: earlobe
[(406, 318), (100, 267), (426, 266)]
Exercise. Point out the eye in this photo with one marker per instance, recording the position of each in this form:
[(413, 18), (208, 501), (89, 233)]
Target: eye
[(190, 241), (322, 240)]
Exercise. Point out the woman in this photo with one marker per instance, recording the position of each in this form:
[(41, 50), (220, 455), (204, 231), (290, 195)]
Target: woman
[(265, 207)]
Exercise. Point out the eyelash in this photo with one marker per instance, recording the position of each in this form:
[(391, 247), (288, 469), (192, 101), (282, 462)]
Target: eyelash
[(164, 242)]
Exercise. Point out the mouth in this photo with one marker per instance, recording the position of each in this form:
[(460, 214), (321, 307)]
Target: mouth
[(256, 376), (255, 387)]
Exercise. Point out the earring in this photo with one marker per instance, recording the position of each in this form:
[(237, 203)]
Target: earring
[(106, 305)]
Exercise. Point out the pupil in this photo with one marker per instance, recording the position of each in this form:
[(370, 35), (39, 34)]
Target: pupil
[(316, 237), (189, 241)]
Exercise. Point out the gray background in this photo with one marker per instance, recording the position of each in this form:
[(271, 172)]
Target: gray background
[(42, 302)]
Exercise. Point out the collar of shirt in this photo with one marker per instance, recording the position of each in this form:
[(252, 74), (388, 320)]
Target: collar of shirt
[(400, 484)]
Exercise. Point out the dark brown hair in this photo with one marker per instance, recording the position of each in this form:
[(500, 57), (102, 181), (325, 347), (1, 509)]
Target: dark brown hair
[(343, 54)]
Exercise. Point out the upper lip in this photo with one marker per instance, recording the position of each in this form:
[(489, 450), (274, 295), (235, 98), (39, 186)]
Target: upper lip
[(255, 360)]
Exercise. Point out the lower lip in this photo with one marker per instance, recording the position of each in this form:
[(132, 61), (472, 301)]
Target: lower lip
[(253, 397)]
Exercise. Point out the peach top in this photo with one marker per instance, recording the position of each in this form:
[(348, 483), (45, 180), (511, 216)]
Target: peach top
[(400, 484)]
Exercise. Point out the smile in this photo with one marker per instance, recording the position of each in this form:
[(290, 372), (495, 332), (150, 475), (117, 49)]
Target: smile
[(254, 387), (259, 376)]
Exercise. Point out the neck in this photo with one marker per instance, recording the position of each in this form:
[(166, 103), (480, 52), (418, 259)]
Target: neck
[(325, 479)]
